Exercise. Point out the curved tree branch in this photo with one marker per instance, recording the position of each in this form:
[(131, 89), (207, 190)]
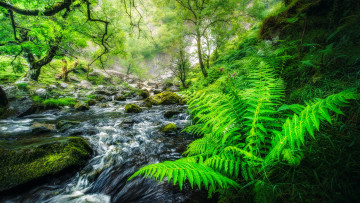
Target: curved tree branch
[(56, 8)]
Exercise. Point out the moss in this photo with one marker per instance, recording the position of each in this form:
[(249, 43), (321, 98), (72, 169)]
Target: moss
[(164, 98), (169, 128), (22, 86), (54, 103), (91, 96), (81, 106), (28, 160), (287, 20), (132, 108)]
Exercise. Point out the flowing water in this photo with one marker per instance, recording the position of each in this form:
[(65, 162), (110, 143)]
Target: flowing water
[(120, 148)]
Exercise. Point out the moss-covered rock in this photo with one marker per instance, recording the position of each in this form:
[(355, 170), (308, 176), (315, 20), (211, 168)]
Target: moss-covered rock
[(81, 106), (64, 125), (146, 103), (132, 108), (169, 128), (91, 102), (144, 94), (120, 97), (32, 159), (164, 98)]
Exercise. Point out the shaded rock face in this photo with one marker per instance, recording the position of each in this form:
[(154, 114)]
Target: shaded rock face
[(144, 94), (81, 106), (28, 160), (171, 113), (11, 92), (132, 108), (64, 125), (92, 102), (3, 98), (19, 107), (120, 97), (165, 98)]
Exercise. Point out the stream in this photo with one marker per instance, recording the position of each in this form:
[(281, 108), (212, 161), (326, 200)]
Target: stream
[(122, 143)]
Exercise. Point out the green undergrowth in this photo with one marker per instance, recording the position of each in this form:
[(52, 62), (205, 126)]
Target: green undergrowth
[(53, 103), (278, 114), (59, 102)]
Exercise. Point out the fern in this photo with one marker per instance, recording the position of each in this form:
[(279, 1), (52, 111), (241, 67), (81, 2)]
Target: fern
[(292, 136), (245, 131), (181, 169)]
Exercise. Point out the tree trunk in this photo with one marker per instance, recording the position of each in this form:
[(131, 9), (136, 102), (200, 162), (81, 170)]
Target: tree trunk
[(3, 99), (34, 71), (198, 41)]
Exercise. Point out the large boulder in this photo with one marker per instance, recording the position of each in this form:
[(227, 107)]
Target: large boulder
[(85, 84), (165, 98), (64, 85), (41, 92), (132, 108), (81, 106), (30, 160), (12, 92)]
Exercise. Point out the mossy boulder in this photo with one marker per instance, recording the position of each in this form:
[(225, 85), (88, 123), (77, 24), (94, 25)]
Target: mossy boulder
[(164, 98), (120, 97), (132, 108), (65, 125), (81, 106), (144, 94), (146, 103), (169, 128), (91, 102), (32, 159)]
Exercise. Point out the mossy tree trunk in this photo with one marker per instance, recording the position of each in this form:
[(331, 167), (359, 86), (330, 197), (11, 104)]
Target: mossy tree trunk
[(36, 65)]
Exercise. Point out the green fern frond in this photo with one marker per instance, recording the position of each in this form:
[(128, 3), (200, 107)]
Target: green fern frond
[(227, 163), (180, 170), (294, 130)]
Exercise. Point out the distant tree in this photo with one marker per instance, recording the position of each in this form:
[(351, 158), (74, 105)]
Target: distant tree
[(203, 15), (180, 65)]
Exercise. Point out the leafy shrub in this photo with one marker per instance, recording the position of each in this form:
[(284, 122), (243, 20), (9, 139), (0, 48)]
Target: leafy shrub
[(246, 132)]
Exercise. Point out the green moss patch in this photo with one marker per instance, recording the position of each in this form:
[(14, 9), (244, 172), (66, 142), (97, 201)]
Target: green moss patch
[(132, 108), (53, 103), (28, 160), (169, 128), (164, 98)]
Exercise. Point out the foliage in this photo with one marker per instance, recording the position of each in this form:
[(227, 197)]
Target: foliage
[(59, 102), (247, 131)]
